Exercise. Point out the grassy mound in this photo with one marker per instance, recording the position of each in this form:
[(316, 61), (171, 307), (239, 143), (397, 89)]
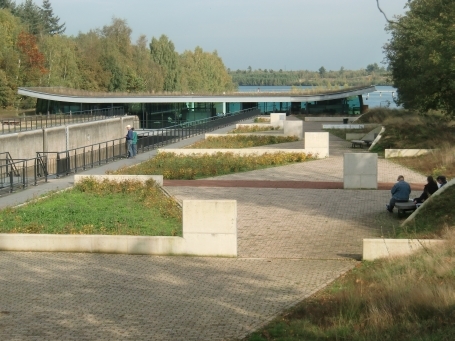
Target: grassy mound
[(241, 141), (409, 298), (407, 129)]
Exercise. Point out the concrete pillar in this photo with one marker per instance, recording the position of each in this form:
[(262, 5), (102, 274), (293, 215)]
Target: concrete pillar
[(360, 170)]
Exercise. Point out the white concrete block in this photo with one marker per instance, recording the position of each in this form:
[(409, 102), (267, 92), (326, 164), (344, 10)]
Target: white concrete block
[(277, 119), (293, 128), (360, 170), (203, 244), (382, 248)]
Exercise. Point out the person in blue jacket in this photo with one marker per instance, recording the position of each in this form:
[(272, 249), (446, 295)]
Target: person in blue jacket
[(129, 142), (400, 193)]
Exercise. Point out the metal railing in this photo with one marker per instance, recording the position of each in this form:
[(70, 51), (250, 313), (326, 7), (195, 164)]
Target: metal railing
[(19, 174), (19, 124)]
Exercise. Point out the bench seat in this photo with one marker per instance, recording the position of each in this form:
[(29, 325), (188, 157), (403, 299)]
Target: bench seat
[(403, 207), (358, 143)]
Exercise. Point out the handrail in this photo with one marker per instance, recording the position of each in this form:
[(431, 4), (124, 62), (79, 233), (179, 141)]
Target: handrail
[(58, 164), (19, 124)]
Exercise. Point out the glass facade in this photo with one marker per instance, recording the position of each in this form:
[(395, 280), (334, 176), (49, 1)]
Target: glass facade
[(161, 115)]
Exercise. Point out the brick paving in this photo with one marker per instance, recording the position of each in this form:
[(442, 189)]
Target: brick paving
[(292, 242)]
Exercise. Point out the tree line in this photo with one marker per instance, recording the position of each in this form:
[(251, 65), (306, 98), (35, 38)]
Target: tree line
[(34, 51), (372, 74)]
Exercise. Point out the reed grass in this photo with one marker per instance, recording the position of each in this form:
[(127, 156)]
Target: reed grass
[(407, 298), (241, 141), (242, 129), (190, 167), (92, 207)]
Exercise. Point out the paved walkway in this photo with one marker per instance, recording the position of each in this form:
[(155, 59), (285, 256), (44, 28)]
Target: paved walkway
[(292, 242)]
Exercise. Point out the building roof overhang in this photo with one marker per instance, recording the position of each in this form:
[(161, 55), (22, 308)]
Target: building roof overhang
[(67, 96)]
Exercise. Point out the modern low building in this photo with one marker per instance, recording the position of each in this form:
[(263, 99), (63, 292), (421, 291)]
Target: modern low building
[(161, 110)]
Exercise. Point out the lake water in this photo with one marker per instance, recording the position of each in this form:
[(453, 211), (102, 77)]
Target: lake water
[(382, 97)]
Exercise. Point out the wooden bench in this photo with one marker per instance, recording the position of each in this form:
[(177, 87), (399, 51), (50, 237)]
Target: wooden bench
[(358, 143), (403, 207)]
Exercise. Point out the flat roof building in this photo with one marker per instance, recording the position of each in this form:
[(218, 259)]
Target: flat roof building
[(161, 110)]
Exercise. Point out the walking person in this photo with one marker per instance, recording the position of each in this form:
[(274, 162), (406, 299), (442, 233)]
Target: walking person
[(129, 142), (400, 193), (134, 143)]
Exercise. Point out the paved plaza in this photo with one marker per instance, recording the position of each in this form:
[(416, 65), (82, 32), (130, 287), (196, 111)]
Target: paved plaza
[(291, 243)]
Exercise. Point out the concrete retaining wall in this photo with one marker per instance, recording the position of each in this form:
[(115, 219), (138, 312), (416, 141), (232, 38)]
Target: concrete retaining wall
[(24, 145), (389, 153), (360, 171), (209, 229), (383, 248)]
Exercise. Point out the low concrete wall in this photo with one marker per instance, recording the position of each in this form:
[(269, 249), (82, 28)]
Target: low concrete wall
[(293, 128), (389, 153), (24, 145), (317, 143), (329, 119), (383, 248), (343, 126), (142, 178), (277, 119), (209, 229), (360, 171)]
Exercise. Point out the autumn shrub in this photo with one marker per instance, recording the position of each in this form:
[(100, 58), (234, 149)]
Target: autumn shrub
[(253, 129), (241, 141), (189, 167)]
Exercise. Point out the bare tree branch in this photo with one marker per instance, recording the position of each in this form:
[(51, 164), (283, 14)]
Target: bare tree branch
[(383, 13)]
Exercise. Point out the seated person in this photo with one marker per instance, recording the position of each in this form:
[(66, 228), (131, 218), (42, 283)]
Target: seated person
[(428, 190), (400, 193), (441, 179)]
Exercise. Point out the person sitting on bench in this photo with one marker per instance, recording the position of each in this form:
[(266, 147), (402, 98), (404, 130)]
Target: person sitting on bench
[(441, 179), (400, 193), (428, 190)]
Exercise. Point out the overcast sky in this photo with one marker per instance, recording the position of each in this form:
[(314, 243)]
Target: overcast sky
[(263, 34)]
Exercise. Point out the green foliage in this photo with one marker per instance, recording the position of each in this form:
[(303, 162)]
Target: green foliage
[(173, 166), (420, 56), (342, 77), (241, 141), (91, 207), (203, 71), (164, 54)]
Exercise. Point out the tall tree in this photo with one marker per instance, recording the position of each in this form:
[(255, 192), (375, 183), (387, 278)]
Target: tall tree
[(31, 16), (164, 54), (421, 54), (51, 22)]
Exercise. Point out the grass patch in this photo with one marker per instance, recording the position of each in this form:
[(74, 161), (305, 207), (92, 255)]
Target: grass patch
[(173, 166), (252, 129), (241, 141), (408, 298), (261, 120), (91, 207)]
